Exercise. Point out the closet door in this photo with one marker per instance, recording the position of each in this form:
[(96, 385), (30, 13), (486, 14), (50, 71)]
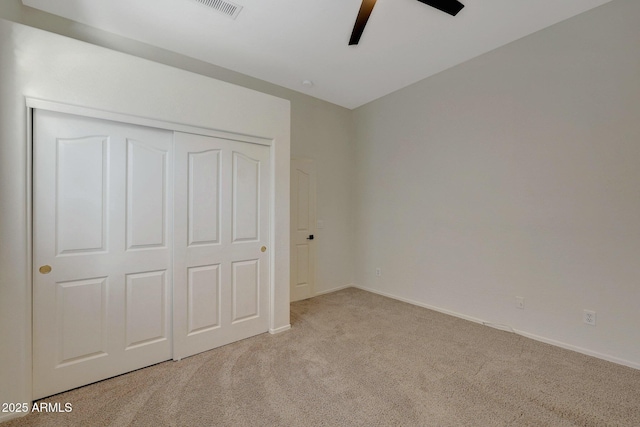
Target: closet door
[(102, 249), (221, 276)]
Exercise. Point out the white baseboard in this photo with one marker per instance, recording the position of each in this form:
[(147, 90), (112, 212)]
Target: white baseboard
[(280, 329), (607, 357), (332, 290), (421, 304)]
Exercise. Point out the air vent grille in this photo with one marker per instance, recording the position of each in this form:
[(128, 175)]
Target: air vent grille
[(225, 7)]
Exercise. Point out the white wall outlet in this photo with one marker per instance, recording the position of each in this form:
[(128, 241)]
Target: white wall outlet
[(378, 272), (589, 317), (520, 303)]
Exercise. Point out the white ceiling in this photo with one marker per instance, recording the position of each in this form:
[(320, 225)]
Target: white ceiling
[(288, 41)]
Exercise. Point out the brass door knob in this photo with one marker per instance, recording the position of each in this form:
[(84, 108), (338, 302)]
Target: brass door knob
[(45, 269), (263, 249)]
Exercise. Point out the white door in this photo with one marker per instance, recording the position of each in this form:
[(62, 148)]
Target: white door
[(102, 250), (303, 222), (221, 277)]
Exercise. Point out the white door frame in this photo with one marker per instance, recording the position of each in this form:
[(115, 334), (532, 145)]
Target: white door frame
[(33, 104)]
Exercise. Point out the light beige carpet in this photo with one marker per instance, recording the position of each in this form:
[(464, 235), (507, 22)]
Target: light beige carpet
[(354, 358)]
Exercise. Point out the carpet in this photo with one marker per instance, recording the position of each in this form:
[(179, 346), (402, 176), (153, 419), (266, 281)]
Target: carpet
[(353, 358)]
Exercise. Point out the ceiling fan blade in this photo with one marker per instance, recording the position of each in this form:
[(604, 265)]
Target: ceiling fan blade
[(363, 16), (452, 7)]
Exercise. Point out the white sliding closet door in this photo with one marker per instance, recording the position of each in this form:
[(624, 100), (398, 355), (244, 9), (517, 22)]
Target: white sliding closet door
[(102, 249), (221, 277)]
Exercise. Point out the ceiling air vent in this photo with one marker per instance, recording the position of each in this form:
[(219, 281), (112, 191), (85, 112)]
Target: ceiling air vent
[(225, 7)]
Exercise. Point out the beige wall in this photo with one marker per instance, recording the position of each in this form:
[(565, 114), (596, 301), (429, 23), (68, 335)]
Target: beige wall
[(319, 130), (514, 174)]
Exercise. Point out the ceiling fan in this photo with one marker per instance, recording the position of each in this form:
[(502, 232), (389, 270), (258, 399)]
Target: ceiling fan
[(452, 7)]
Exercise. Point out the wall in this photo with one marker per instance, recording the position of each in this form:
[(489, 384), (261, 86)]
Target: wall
[(514, 174), (41, 65), (319, 130)]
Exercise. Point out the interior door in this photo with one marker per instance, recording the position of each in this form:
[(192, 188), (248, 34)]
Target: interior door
[(303, 224), (102, 249), (221, 277)]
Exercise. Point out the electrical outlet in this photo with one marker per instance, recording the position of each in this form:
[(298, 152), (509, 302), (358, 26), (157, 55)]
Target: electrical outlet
[(589, 317), (520, 303), (378, 272)]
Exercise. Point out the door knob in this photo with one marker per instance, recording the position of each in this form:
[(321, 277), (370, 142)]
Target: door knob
[(45, 269), (310, 237), (263, 249)]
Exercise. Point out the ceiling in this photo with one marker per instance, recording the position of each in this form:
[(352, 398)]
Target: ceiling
[(287, 41)]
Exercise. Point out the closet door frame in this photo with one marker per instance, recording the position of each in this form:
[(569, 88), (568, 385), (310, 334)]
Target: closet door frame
[(275, 322)]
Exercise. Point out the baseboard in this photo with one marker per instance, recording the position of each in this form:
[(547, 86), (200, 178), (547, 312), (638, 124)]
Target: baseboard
[(582, 350), (421, 304), (332, 290), (280, 329), (607, 357)]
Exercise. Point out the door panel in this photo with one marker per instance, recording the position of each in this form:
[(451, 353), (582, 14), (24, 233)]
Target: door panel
[(245, 282), (146, 308), (204, 197), (303, 183), (203, 298), (102, 196), (302, 264), (246, 207), (81, 204), (221, 276), (146, 194), (303, 219), (81, 311)]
